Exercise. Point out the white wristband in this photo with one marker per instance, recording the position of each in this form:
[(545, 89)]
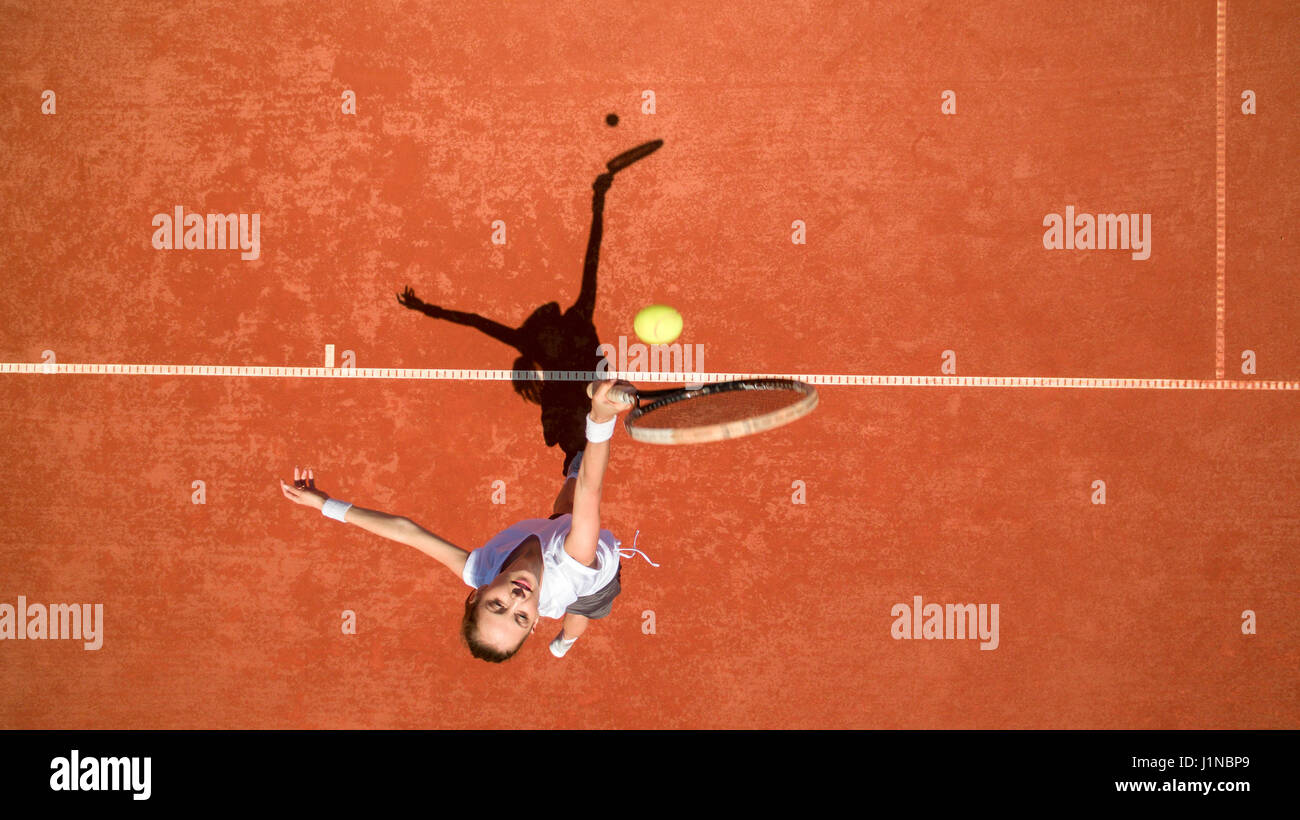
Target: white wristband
[(600, 431), (333, 508)]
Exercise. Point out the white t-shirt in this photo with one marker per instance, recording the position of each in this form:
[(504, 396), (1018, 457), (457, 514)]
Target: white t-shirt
[(564, 580)]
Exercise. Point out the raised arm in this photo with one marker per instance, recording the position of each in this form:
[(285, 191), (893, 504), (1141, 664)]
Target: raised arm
[(584, 532), (393, 527), (586, 302)]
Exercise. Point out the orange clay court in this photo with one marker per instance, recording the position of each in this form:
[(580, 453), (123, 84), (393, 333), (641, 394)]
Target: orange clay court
[(912, 149)]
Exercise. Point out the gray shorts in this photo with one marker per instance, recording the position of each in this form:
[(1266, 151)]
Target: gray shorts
[(599, 603)]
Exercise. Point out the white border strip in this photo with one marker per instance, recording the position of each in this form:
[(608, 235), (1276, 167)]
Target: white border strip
[(1220, 183), (442, 374)]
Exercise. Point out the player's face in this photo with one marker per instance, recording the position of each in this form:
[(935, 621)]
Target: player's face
[(507, 609)]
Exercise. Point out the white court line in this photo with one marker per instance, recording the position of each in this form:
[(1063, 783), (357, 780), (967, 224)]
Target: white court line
[(1220, 183), (442, 374)]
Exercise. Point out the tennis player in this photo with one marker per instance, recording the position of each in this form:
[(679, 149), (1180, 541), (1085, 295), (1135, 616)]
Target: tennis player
[(564, 566)]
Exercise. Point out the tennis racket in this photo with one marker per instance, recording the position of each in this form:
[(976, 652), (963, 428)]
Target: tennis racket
[(712, 412)]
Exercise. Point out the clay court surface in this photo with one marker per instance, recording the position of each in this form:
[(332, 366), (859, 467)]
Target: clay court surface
[(924, 235)]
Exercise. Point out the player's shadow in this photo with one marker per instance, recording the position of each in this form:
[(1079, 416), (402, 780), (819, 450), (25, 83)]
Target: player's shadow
[(551, 339)]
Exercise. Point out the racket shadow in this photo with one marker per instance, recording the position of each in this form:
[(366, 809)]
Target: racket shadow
[(551, 338)]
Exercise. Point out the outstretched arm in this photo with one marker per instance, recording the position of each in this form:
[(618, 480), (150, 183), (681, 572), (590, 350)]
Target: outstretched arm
[(584, 531), (496, 330), (393, 527), (405, 531)]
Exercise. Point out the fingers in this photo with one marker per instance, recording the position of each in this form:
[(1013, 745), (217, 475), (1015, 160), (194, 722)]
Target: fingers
[(613, 397), (602, 388), (625, 390), (616, 393), (304, 478)]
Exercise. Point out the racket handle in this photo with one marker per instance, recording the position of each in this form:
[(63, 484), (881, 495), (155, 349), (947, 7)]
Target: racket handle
[(618, 393)]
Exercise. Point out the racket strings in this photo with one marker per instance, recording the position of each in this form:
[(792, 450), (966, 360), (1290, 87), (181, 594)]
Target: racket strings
[(716, 408)]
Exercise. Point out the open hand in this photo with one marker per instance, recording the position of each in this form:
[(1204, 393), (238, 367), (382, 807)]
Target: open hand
[(303, 491), (407, 298)]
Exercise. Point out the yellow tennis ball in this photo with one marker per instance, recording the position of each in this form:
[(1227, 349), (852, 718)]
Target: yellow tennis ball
[(657, 325)]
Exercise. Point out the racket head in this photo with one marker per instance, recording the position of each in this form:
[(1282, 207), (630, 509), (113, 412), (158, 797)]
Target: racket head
[(716, 412)]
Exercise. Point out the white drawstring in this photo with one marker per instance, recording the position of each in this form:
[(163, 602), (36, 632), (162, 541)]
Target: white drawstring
[(628, 552)]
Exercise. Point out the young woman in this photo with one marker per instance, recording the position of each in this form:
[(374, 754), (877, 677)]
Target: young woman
[(564, 566)]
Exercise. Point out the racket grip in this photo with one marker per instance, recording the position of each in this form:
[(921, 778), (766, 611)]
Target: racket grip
[(617, 393)]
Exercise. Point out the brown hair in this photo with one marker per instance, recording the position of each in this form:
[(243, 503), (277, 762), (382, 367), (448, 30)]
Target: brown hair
[(477, 647)]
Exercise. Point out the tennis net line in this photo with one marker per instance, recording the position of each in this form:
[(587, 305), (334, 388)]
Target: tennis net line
[(459, 374)]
